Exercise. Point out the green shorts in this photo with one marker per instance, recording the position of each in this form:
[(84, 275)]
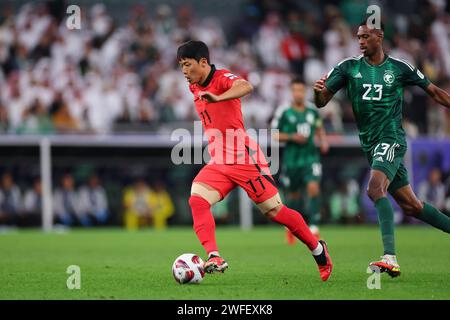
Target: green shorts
[(294, 179), (388, 158)]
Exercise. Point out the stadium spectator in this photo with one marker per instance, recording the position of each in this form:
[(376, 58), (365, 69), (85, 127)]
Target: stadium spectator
[(66, 203), (32, 205), (294, 47), (163, 208), (10, 200), (432, 191), (93, 203), (344, 203), (447, 199), (129, 65), (138, 203)]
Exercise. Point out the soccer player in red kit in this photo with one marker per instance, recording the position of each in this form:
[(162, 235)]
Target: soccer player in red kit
[(236, 159)]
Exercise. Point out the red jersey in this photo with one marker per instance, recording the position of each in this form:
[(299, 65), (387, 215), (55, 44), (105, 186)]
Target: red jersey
[(228, 141)]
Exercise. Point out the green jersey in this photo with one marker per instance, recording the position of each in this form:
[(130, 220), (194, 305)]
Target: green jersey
[(304, 123), (376, 94)]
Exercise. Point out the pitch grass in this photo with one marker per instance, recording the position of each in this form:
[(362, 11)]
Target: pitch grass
[(116, 264)]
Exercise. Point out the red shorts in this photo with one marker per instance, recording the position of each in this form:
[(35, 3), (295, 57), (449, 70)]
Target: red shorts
[(255, 180)]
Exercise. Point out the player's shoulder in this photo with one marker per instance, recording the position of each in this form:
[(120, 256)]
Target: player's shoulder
[(311, 107), (349, 61), (224, 73), (402, 64)]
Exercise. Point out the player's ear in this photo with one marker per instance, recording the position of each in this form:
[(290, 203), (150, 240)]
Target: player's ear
[(203, 62), (380, 34)]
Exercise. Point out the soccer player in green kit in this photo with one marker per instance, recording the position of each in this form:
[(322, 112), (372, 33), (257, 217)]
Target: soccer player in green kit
[(298, 125), (374, 82)]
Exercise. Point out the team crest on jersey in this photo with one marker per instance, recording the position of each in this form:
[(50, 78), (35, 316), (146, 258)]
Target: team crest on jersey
[(310, 118), (389, 77), (292, 119)]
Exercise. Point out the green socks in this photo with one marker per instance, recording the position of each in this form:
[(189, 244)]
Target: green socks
[(386, 220), (314, 210), (434, 217), (429, 214)]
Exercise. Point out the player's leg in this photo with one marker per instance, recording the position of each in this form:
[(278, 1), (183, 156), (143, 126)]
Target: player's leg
[(209, 187), (293, 200), (385, 160), (411, 206), (261, 188), (291, 181), (313, 200), (202, 198), (273, 209), (377, 192)]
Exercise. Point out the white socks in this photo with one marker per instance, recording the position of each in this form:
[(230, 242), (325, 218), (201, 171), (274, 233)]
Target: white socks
[(318, 250), (213, 253)]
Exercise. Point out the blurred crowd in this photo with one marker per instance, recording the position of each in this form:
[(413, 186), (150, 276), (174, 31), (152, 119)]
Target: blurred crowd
[(86, 204), (113, 76)]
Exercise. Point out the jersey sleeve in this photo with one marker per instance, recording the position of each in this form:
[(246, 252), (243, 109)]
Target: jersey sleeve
[(413, 77), (282, 123), (226, 80), (336, 79), (277, 116)]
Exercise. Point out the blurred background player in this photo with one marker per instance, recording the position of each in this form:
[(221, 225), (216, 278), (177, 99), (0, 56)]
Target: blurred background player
[(374, 82), (236, 160), (299, 124)]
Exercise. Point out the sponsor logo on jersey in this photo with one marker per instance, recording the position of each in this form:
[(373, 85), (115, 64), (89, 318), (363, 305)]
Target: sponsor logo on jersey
[(310, 118), (357, 76), (379, 159)]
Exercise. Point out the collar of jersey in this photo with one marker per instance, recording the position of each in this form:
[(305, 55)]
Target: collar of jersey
[(371, 65), (210, 75)]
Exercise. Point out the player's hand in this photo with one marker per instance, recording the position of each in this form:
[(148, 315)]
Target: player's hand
[(298, 138), (208, 96), (319, 85)]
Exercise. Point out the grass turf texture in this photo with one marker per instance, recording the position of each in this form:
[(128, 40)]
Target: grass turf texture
[(116, 264)]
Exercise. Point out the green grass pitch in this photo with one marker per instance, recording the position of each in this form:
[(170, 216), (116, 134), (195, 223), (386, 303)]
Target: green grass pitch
[(116, 264)]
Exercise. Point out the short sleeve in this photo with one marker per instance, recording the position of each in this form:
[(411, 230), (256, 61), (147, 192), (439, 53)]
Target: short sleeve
[(282, 123), (336, 79), (227, 79), (277, 116), (413, 77)]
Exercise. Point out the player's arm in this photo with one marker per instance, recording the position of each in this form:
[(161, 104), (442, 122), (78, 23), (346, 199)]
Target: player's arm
[(439, 95), (238, 89), (329, 84), (321, 94), (293, 137), (281, 134), (412, 76)]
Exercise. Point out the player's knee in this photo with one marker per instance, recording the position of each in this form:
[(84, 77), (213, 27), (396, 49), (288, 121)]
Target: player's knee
[(375, 191), (198, 202), (313, 190), (412, 208), (271, 213)]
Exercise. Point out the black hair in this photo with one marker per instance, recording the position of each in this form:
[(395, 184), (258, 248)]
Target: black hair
[(364, 23), (193, 50), (297, 80)]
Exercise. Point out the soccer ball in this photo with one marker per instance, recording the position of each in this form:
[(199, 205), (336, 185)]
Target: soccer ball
[(188, 268)]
